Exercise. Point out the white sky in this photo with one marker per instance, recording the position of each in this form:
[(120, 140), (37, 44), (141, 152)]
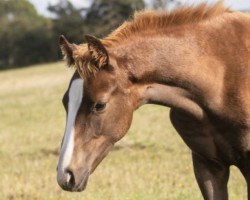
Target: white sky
[(234, 4), (41, 5)]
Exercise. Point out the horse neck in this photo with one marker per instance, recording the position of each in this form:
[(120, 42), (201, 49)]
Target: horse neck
[(176, 62)]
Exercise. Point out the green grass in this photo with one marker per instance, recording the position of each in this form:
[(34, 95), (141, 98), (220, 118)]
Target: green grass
[(150, 162)]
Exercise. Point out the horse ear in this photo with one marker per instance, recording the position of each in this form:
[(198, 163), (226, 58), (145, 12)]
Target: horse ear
[(67, 50), (97, 51)]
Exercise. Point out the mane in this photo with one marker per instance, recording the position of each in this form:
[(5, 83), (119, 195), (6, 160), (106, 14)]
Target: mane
[(154, 20), (149, 21)]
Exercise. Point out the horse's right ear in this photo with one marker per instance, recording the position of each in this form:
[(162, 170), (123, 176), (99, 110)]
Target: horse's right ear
[(67, 50)]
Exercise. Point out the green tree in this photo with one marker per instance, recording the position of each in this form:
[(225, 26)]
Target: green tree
[(106, 15), (23, 35), (163, 4), (14, 8), (68, 21)]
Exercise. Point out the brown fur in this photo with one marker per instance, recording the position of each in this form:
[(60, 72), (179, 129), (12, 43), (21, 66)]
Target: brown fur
[(146, 22), (195, 61)]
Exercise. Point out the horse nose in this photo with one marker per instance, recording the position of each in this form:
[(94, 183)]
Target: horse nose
[(66, 179)]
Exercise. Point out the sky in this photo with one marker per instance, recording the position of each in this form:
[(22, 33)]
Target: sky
[(41, 5)]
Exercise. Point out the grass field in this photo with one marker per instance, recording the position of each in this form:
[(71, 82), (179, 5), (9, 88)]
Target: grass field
[(150, 162)]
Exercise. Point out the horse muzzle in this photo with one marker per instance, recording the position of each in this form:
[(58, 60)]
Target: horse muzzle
[(74, 181)]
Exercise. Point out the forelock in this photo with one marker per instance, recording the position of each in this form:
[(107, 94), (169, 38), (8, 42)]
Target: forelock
[(84, 62)]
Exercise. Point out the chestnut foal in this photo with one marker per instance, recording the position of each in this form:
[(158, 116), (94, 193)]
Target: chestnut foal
[(194, 60)]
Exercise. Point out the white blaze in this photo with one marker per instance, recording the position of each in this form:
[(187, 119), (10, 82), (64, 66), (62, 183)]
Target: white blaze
[(75, 99)]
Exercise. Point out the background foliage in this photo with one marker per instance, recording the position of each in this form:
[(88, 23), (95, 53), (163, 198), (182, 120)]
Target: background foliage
[(29, 38)]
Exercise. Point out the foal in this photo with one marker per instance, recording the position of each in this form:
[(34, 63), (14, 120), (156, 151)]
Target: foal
[(194, 60)]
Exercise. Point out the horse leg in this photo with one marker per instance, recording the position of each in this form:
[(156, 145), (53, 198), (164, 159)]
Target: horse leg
[(212, 178)]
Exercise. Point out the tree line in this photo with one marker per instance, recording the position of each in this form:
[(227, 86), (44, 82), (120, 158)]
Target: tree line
[(28, 38)]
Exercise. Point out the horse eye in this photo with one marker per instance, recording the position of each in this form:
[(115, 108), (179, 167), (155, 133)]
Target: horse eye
[(99, 106)]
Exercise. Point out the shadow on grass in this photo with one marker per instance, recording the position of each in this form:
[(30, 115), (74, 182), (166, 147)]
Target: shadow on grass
[(135, 146)]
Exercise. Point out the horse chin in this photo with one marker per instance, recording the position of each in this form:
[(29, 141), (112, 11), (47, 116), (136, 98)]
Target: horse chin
[(81, 186)]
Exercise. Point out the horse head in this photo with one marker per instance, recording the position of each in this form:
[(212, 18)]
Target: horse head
[(99, 106)]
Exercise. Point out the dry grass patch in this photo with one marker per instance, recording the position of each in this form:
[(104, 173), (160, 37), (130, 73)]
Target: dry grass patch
[(150, 162)]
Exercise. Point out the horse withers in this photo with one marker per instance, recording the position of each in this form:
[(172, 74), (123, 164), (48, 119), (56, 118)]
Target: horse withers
[(194, 60)]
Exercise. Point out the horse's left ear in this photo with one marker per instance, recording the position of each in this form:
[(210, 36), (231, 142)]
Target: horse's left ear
[(97, 51), (67, 50)]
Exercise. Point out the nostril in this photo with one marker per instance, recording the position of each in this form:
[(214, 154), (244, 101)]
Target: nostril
[(66, 179), (70, 179)]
